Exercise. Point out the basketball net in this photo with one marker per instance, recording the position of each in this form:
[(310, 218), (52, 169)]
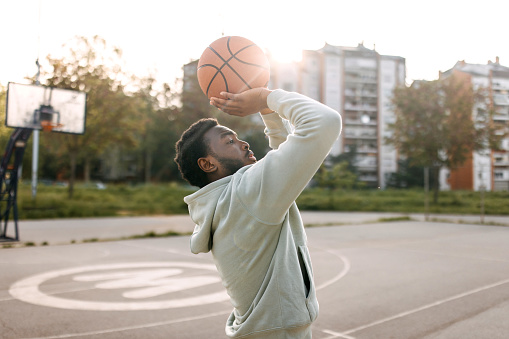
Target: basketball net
[(47, 126)]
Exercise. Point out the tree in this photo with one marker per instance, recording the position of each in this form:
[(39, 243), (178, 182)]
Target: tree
[(4, 132), (434, 126), (336, 177), (156, 149), (113, 115), (407, 176)]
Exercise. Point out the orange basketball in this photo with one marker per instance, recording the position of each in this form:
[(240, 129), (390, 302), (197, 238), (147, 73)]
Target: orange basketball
[(232, 64)]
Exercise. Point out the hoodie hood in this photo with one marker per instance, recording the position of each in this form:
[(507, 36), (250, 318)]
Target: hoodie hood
[(202, 208)]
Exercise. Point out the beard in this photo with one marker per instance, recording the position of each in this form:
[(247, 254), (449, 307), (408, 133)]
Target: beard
[(231, 165)]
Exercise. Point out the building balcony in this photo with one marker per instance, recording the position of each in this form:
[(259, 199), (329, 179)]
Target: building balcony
[(363, 107), (363, 149), (367, 164), (500, 117), (360, 94), (361, 135), (370, 178), (360, 80), (500, 100), (359, 122)]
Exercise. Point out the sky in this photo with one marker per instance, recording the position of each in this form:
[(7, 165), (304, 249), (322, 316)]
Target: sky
[(160, 36)]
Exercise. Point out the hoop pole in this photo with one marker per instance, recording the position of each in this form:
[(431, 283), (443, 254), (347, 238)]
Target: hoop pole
[(35, 145), (35, 162)]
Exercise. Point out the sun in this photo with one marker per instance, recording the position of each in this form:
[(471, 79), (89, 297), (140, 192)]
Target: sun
[(284, 54)]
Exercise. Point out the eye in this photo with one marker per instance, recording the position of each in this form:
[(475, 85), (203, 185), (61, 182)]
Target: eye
[(230, 141)]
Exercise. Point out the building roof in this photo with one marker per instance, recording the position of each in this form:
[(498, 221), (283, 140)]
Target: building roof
[(479, 69), (360, 50)]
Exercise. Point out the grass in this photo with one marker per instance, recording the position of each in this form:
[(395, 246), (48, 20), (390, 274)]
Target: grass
[(403, 201), (115, 200), (167, 199)]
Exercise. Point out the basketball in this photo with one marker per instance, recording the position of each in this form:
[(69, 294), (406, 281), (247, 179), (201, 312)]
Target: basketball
[(232, 64)]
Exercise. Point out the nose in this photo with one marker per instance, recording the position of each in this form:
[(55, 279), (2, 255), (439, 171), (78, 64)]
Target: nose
[(245, 145)]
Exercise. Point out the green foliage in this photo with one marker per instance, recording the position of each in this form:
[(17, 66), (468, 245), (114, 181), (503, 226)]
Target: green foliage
[(167, 199), (132, 122), (408, 176), (113, 116), (116, 200), (336, 177), (402, 201), (4, 131), (433, 122), (434, 126)]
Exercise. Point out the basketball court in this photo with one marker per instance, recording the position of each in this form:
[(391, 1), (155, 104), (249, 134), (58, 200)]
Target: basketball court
[(408, 279)]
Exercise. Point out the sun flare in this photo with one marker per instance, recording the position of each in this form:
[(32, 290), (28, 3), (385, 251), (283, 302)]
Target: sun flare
[(284, 54)]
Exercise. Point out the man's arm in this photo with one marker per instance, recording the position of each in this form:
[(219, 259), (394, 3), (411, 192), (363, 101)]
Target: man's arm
[(270, 186), (250, 102), (253, 101)]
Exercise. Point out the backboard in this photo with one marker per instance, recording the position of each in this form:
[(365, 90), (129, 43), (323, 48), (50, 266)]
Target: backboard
[(48, 108)]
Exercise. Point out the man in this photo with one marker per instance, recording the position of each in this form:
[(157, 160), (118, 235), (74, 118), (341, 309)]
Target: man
[(245, 211)]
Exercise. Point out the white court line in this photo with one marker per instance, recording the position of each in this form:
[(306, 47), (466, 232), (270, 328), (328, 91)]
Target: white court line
[(344, 271), (425, 307), (128, 328), (336, 335), (341, 274), (71, 290)]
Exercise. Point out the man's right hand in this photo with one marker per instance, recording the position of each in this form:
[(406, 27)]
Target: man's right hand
[(245, 103)]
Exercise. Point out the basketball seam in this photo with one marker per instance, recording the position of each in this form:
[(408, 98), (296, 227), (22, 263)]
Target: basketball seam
[(212, 80), (239, 60), (225, 63)]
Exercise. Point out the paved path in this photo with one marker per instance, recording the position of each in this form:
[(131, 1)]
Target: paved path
[(65, 231)]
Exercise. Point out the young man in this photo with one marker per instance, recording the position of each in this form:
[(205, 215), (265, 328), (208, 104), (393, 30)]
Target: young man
[(245, 211)]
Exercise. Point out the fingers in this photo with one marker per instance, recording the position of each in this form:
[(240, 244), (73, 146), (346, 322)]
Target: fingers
[(227, 106), (242, 104), (228, 96)]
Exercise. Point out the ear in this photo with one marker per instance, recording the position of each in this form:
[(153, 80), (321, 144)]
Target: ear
[(207, 165)]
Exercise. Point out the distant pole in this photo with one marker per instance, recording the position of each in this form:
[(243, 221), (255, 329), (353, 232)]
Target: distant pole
[(35, 145), (482, 189), (482, 204), (426, 193)]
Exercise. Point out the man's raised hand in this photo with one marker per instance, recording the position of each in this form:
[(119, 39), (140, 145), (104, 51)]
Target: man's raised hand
[(243, 104)]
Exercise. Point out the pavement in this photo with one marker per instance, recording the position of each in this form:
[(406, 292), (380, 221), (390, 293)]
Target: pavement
[(400, 278), (378, 275), (65, 231)]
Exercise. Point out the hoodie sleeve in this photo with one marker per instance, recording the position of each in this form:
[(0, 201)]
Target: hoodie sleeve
[(276, 129), (269, 187)]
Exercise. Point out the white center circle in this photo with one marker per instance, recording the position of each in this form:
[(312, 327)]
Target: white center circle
[(157, 281)]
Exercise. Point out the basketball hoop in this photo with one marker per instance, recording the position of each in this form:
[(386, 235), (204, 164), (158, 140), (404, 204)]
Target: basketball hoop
[(47, 126), (28, 106)]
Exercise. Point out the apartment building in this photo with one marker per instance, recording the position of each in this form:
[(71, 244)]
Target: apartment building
[(357, 82), (487, 169)]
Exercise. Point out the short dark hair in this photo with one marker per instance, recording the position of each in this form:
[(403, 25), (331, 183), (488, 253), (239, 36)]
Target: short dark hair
[(190, 148)]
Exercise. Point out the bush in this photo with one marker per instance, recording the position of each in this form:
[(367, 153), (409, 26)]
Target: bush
[(115, 200), (402, 201), (167, 199)]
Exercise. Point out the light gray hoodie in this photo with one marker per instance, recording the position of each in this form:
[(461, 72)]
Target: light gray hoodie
[(250, 222)]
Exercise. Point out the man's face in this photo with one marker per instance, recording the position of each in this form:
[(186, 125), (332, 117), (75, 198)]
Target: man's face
[(230, 153)]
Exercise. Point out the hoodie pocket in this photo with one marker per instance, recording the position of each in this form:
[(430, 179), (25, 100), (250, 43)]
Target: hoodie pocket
[(307, 275)]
